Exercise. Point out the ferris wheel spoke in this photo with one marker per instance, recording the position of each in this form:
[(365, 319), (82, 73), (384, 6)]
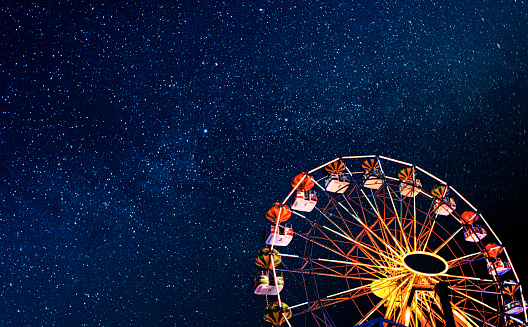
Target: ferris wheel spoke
[(339, 215), (347, 265), (316, 183), (316, 305), (372, 269), (463, 317), (382, 222), (408, 209), (343, 234), (370, 255), (332, 241), (457, 277), (446, 241), (357, 276), (402, 231), (414, 218), (366, 250), (465, 259), (380, 303), (326, 267), (475, 286), (470, 316), (326, 247), (474, 300), (363, 289), (417, 307), (362, 268), (394, 305), (425, 233), (421, 317), (427, 228), (319, 227), (425, 312), (286, 319), (476, 290), (363, 247), (365, 266), (354, 292), (436, 311), (371, 233), (405, 303)]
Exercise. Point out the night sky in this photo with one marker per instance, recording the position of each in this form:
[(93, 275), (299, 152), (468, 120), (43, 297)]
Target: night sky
[(142, 143)]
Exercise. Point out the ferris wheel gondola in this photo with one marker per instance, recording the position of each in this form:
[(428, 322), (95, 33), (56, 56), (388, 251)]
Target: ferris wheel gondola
[(360, 244)]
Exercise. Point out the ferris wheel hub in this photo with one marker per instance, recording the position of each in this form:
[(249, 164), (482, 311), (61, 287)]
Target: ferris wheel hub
[(425, 263)]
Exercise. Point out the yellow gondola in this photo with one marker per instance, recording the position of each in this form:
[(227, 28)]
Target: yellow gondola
[(276, 314), (265, 257)]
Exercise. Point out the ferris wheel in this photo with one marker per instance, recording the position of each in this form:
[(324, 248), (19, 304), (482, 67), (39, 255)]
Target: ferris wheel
[(362, 238)]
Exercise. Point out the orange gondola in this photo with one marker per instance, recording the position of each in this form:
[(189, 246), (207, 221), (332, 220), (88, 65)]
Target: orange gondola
[(302, 182), (371, 165), (405, 174), (278, 211), (336, 167), (493, 249), (469, 217)]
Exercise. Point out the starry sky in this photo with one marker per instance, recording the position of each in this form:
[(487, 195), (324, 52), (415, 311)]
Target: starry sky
[(142, 142)]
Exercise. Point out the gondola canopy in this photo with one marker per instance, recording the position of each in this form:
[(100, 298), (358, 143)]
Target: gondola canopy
[(278, 211), (303, 182), (265, 257), (277, 314), (336, 167)]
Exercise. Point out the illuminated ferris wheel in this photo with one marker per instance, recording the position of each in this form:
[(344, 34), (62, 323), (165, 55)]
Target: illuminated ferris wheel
[(361, 238)]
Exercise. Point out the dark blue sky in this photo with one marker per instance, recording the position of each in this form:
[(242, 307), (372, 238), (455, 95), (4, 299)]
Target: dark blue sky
[(142, 143)]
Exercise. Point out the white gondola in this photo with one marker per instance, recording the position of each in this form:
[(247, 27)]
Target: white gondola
[(263, 286), (372, 180), (444, 207), (279, 239), (337, 183), (305, 201), (513, 307), (498, 267), (410, 189), (475, 233)]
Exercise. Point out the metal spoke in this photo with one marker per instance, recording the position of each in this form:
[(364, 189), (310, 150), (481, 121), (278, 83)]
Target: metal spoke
[(380, 303)]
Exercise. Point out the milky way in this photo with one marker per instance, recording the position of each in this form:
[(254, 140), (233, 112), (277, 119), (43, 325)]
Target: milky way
[(142, 143)]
